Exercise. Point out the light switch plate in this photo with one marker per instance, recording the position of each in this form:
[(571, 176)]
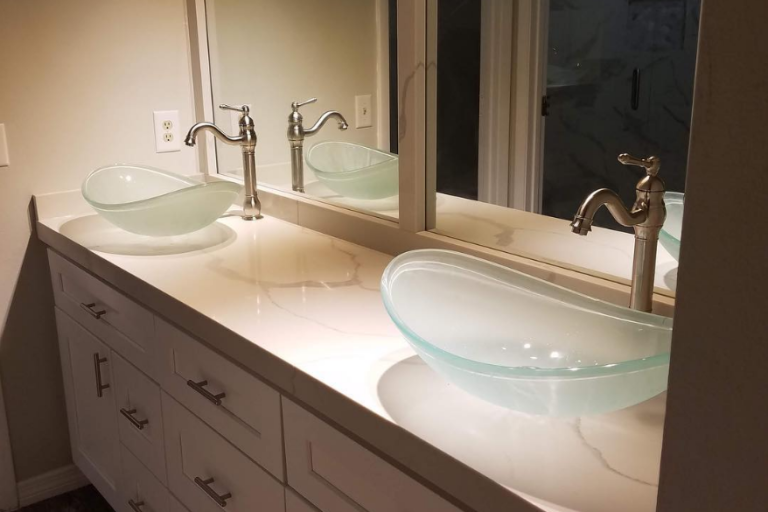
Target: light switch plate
[(5, 159), (167, 135), (363, 113)]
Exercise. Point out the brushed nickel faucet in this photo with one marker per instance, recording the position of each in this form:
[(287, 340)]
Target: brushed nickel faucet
[(247, 142), (297, 133), (646, 216)]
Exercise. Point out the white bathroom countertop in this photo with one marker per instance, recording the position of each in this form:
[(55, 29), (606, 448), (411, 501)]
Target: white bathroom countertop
[(303, 310)]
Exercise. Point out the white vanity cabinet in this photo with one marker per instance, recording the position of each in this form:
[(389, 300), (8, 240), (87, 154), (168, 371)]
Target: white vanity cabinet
[(160, 422)]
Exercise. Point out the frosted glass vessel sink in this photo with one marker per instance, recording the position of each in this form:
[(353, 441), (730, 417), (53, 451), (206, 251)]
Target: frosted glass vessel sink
[(523, 343), (673, 225), (152, 202), (355, 171)]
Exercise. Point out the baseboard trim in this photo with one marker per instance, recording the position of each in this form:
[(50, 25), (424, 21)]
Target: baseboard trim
[(50, 484)]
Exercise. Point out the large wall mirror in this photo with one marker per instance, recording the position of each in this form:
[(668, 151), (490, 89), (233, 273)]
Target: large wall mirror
[(532, 102), (272, 54)]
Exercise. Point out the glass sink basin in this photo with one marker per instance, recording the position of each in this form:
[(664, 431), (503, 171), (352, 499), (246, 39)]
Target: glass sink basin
[(673, 225), (523, 343), (353, 170), (152, 202)]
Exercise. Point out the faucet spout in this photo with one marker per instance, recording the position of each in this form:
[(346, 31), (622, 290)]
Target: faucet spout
[(646, 217), (582, 221), (324, 119), (191, 138)]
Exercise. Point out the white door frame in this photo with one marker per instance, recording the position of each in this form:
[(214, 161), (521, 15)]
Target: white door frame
[(9, 499), (513, 61)]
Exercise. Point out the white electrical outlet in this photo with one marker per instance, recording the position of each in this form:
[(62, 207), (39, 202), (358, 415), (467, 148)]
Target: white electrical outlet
[(167, 135), (5, 160), (363, 111)]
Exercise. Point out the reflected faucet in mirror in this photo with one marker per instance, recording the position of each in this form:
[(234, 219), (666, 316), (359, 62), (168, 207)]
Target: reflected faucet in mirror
[(297, 133), (246, 139), (646, 217)]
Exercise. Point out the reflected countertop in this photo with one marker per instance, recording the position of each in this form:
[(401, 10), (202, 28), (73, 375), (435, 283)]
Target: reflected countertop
[(303, 310)]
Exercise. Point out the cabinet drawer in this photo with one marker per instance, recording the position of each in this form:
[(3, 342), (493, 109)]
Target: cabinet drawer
[(114, 318), (338, 475), (246, 412), (295, 503), (176, 505), (140, 491), (140, 417), (207, 473)]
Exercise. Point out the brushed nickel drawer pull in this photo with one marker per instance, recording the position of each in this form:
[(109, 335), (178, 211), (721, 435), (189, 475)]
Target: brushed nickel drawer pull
[(205, 485), (97, 361), (136, 505), (200, 388), (129, 414), (90, 309)]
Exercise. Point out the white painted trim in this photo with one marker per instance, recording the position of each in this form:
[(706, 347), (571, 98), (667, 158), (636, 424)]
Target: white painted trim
[(411, 58), (382, 73), (50, 484), (201, 77), (8, 495), (496, 50), (430, 159), (528, 89)]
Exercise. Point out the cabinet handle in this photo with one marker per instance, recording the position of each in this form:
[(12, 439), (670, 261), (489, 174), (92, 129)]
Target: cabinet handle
[(200, 388), (634, 100), (136, 505), (97, 361), (129, 414), (91, 310), (205, 485)]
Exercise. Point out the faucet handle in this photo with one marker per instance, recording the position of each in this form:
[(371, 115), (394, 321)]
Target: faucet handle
[(296, 104), (652, 164), (245, 109)]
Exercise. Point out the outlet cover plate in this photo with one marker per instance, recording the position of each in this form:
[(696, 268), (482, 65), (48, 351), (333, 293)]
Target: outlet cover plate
[(167, 135), (363, 113)]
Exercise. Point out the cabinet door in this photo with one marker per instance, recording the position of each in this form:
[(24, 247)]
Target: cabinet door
[(87, 370)]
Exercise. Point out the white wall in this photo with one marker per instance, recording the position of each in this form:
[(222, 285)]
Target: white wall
[(715, 454), (270, 53), (79, 80)]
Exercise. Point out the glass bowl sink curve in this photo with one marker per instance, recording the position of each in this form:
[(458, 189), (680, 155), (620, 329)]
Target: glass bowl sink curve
[(152, 202), (354, 171), (523, 343), (673, 225)]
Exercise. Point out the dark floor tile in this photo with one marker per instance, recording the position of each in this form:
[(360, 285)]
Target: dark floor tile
[(86, 499)]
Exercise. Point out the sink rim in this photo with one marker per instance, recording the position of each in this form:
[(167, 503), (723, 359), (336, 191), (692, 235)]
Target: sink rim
[(192, 185), (331, 174), (526, 372)]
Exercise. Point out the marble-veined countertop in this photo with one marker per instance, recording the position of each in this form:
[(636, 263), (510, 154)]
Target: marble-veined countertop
[(303, 310)]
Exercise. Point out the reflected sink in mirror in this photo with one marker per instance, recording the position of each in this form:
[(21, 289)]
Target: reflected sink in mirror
[(153, 202), (523, 343), (354, 171), (673, 225)]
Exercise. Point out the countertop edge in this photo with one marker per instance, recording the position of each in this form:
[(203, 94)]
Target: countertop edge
[(437, 470)]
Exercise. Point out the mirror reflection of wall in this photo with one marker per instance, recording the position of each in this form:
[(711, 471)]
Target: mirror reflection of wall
[(617, 77), (271, 53)]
